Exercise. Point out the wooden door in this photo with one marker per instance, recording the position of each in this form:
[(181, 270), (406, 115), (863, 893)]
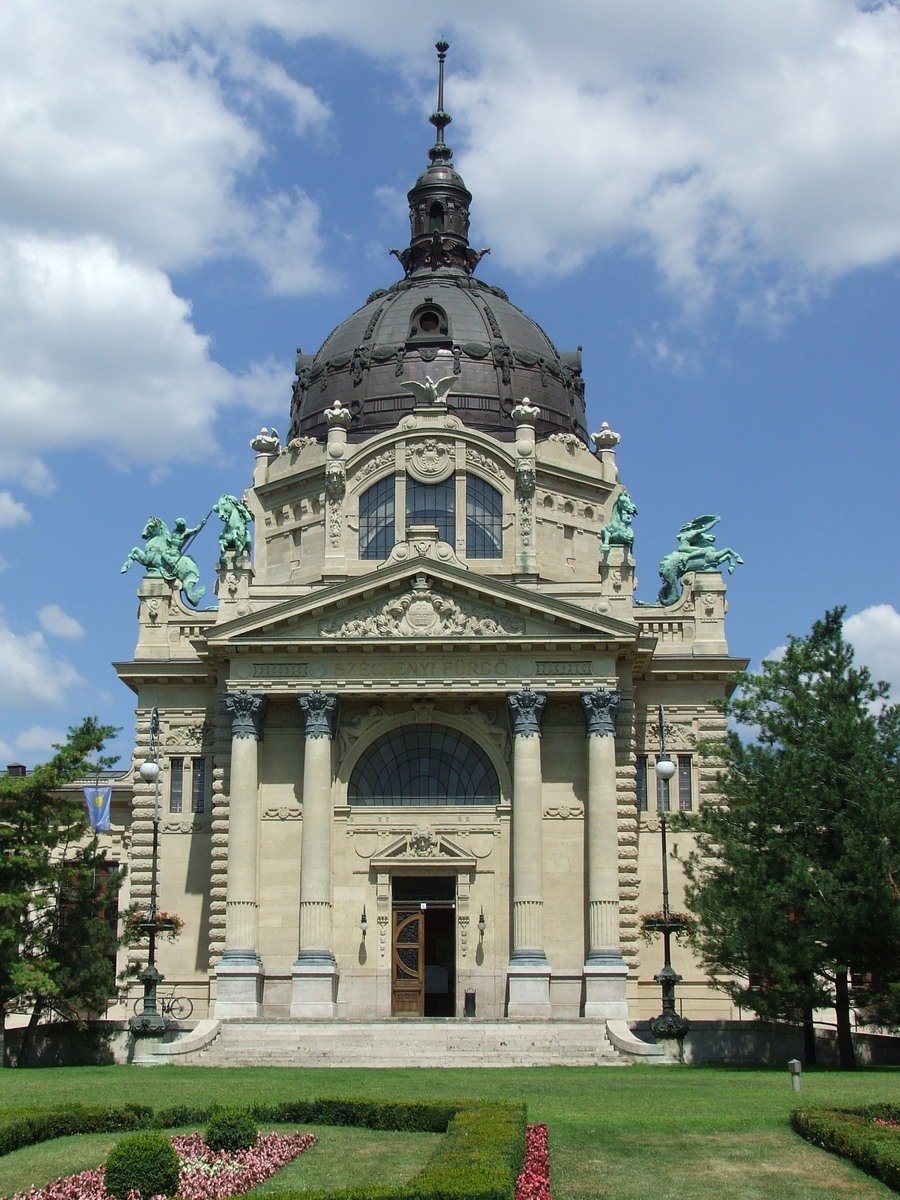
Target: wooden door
[(408, 962)]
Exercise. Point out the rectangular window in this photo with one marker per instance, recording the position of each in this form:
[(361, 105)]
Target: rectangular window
[(198, 784), (662, 794), (685, 784), (376, 520), (176, 784), (640, 782), (484, 519), (432, 504)]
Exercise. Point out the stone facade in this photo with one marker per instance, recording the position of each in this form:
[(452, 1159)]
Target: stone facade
[(554, 673), (409, 756)]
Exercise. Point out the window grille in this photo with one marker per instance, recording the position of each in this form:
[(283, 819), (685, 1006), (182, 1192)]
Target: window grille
[(376, 519), (432, 504), (424, 765), (176, 784), (198, 784), (685, 783), (640, 782), (484, 519)]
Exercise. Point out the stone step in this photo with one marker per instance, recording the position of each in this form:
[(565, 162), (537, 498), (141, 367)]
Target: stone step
[(406, 1043)]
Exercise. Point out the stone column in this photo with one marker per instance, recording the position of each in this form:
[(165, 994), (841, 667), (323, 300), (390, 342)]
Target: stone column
[(314, 987), (239, 973), (529, 971), (605, 971)]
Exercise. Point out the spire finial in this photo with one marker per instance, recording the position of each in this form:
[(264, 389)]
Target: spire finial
[(440, 152)]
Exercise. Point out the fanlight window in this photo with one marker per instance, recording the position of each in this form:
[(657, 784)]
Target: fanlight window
[(424, 765), (376, 519)]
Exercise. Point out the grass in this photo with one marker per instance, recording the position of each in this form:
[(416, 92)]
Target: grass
[(638, 1133), (340, 1158)]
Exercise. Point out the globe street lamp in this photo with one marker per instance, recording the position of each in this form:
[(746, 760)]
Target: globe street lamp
[(149, 1022), (669, 1023)]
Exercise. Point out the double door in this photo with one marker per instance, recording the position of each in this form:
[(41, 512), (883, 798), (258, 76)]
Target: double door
[(423, 959)]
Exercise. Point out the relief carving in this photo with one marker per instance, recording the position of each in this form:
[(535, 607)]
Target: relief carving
[(430, 461), (420, 612)]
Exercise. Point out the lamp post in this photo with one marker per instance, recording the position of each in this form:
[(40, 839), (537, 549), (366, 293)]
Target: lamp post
[(149, 1022), (669, 1023)]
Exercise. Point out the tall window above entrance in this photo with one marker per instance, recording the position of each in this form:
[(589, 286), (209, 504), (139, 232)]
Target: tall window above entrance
[(432, 504), (424, 764)]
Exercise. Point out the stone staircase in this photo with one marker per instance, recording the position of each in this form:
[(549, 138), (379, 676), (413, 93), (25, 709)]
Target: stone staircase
[(402, 1043)]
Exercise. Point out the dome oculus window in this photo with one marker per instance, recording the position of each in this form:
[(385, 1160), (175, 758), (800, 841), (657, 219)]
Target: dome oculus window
[(429, 324)]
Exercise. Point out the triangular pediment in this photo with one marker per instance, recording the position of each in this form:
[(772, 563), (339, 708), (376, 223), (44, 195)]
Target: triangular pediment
[(424, 601), (423, 847)]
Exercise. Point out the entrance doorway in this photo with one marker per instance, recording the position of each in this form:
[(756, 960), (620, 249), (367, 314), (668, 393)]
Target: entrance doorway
[(423, 959)]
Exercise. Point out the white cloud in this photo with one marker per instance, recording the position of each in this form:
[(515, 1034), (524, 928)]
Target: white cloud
[(747, 148), (38, 741), (12, 511), (58, 623), (875, 635), (31, 676)]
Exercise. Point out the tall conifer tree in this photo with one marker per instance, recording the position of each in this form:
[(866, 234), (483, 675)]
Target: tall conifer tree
[(794, 882)]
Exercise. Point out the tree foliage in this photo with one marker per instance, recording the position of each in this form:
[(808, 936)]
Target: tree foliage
[(794, 880), (55, 941)]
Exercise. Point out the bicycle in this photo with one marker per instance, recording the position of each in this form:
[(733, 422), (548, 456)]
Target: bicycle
[(179, 1008)]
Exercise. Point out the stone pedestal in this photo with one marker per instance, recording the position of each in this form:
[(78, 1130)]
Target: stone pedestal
[(604, 990), (528, 996), (314, 989), (239, 985)]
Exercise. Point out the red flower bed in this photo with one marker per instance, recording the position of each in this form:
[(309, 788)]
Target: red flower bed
[(205, 1174), (534, 1182)]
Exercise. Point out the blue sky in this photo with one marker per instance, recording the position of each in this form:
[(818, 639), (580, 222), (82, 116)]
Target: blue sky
[(705, 196)]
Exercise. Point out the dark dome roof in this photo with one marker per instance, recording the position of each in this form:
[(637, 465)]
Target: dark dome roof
[(436, 322), (439, 324)]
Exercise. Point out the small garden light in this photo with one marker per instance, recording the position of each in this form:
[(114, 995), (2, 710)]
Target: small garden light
[(482, 925), (363, 922)]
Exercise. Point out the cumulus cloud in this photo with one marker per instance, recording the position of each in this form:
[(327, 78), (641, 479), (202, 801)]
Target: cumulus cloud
[(58, 623), (31, 676), (875, 635), (39, 741), (735, 145), (748, 151), (12, 511)]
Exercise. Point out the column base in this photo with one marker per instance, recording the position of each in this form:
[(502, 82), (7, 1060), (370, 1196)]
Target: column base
[(528, 997), (604, 989), (314, 989), (239, 985)]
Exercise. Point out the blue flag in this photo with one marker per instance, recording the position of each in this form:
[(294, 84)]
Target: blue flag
[(98, 800)]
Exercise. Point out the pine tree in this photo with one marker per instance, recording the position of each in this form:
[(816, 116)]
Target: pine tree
[(55, 941), (793, 882)]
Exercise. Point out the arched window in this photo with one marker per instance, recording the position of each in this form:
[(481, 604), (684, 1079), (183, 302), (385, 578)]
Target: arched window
[(484, 519), (377, 533), (429, 326), (436, 218), (424, 764), (432, 504)]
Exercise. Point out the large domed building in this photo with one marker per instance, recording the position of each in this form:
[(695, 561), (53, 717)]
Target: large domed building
[(407, 764)]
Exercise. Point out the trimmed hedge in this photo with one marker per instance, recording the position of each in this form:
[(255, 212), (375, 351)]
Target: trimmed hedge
[(41, 1125), (851, 1133), (480, 1158), (230, 1129)]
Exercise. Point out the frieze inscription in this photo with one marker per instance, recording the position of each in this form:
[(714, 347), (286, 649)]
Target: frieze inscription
[(420, 666)]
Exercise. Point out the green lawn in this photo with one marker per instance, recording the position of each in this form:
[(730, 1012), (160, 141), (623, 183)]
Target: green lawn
[(635, 1133), (340, 1158)]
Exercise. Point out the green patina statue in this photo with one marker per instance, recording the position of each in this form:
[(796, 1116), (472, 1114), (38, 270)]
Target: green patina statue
[(236, 518), (163, 555), (617, 531), (696, 552)]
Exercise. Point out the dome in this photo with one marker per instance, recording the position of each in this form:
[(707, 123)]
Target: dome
[(439, 321)]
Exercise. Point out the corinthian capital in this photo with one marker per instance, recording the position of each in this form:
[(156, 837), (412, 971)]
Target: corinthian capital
[(318, 710), (601, 708), (525, 710), (246, 711)]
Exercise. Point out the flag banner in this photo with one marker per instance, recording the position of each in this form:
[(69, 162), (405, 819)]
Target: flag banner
[(98, 800)]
